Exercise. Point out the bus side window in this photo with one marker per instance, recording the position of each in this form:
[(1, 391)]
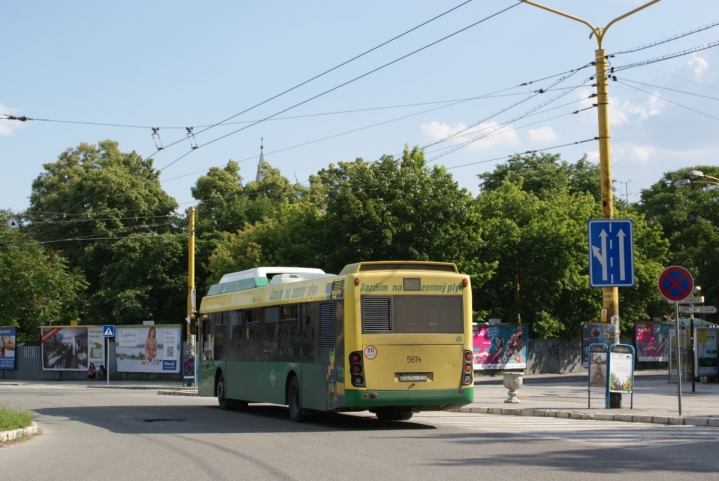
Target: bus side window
[(206, 337), (307, 335), (221, 324), (253, 337), (289, 333), (270, 344), (237, 336)]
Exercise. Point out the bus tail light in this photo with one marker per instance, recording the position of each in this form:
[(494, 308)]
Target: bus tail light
[(357, 369), (467, 369)]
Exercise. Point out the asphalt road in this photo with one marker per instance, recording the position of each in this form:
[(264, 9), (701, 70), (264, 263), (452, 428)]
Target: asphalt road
[(138, 435)]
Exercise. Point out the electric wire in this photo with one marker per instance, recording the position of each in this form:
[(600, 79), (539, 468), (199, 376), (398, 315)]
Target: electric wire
[(333, 68), (529, 152), (347, 82), (670, 101), (675, 37), (673, 90), (665, 57)]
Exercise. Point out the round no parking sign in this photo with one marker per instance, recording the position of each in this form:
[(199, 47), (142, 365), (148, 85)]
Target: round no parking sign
[(676, 283)]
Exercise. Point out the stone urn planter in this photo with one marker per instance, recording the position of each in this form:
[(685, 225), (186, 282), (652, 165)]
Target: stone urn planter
[(512, 381)]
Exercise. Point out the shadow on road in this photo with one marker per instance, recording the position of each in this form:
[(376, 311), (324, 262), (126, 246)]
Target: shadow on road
[(173, 419)]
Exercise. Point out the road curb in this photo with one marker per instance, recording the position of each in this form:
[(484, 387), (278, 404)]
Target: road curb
[(623, 417), (165, 392), (18, 433)]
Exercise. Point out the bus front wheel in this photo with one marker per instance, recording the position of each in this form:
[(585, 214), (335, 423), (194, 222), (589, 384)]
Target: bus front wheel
[(294, 399)]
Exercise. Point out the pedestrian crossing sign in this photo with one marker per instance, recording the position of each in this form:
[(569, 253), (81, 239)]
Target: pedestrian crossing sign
[(108, 331)]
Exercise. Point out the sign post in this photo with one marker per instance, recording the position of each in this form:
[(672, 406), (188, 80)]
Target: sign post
[(676, 284), (107, 333)]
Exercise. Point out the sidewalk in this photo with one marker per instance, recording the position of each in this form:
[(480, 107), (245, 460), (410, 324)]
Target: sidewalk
[(655, 400)]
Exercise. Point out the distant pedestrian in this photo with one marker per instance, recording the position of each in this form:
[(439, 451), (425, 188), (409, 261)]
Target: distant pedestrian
[(91, 372)]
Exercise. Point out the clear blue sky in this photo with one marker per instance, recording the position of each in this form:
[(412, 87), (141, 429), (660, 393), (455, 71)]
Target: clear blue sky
[(182, 64)]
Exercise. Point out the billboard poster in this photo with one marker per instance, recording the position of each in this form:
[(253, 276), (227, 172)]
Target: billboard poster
[(598, 371), (500, 347), (652, 341), (149, 349), (621, 366), (72, 348), (7, 347), (592, 333), (706, 351)]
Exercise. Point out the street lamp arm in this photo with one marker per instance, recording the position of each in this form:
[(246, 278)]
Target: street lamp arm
[(598, 31), (626, 15), (713, 178), (549, 9)]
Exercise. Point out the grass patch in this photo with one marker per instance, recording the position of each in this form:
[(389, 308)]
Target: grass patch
[(14, 418)]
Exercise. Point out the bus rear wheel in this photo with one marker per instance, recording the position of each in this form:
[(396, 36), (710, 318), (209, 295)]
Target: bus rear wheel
[(294, 399)]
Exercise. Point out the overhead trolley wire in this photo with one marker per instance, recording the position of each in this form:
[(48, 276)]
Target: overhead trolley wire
[(331, 69), (529, 152), (675, 37), (348, 82), (665, 57)]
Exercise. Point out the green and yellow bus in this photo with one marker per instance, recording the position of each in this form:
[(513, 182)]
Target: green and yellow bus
[(393, 338)]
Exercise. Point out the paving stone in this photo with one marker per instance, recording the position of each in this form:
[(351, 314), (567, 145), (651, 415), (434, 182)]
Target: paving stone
[(642, 419), (604, 417), (575, 415), (494, 411), (563, 414), (713, 422), (479, 410), (527, 412), (660, 420), (694, 421), (627, 418), (676, 420), (512, 411)]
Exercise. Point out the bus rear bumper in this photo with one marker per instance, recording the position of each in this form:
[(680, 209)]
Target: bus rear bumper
[(434, 400)]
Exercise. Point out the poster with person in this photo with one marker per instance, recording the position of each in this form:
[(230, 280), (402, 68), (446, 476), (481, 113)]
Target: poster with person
[(652, 341), (72, 348), (8, 336), (149, 349), (500, 347)]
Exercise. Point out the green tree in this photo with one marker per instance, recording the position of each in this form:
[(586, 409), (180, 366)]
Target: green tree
[(143, 276), (397, 209), (546, 175), (288, 239), (689, 218), (97, 190), (537, 235), (38, 288)]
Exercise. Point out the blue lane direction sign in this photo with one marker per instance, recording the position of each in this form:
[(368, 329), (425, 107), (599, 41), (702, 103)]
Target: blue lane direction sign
[(611, 253), (108, 331)]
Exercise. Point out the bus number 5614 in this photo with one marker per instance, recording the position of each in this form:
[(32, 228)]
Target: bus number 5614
[(414, 359)]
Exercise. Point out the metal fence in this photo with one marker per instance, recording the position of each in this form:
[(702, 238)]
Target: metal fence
[(29, 368)]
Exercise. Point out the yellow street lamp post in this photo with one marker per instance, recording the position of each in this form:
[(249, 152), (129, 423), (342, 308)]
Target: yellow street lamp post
[(610, 294)]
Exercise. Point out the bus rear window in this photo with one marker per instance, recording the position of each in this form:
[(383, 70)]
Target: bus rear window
[(410, 314)]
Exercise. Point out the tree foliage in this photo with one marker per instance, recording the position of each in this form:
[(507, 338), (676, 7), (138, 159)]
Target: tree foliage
[(546, 175), (689, 218), (94, 190), (398, 209), (38, 288)]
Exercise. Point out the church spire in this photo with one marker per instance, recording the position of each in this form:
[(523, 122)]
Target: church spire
[(261, 163)]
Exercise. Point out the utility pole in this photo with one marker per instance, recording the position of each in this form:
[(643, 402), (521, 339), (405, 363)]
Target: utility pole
[(610, 294), (190, 265)]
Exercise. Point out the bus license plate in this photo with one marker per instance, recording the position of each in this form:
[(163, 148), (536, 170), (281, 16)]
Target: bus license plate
[(413, 377)]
